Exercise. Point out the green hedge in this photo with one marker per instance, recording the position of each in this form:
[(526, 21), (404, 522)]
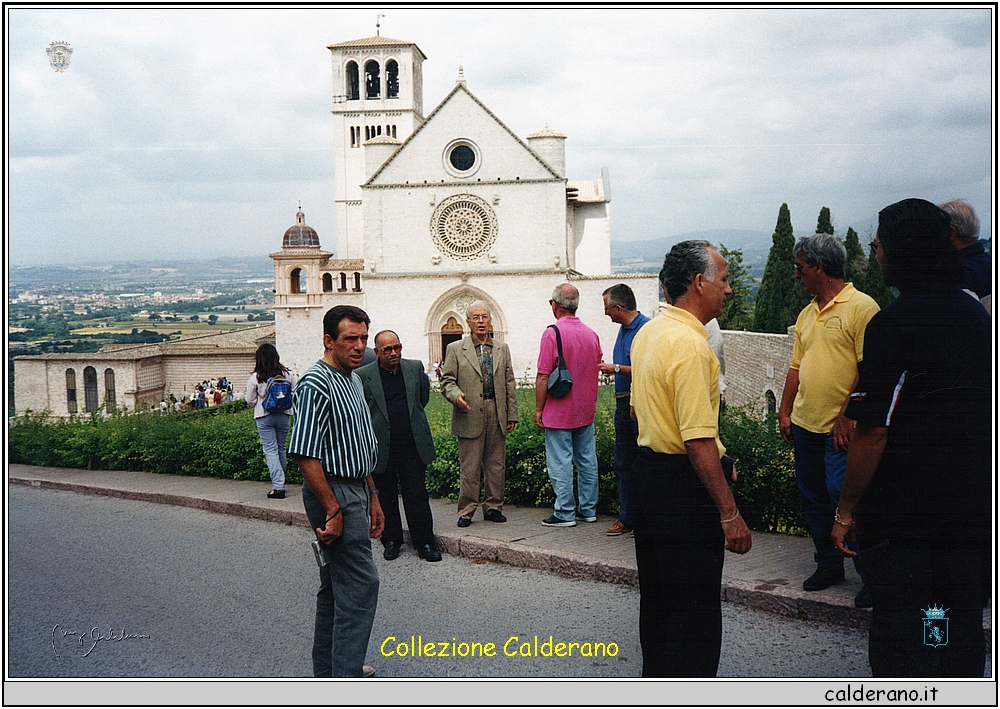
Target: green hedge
[(219, 442), (222, 442)]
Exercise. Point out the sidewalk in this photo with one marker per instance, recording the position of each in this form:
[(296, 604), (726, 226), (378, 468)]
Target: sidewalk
[(769, 577)]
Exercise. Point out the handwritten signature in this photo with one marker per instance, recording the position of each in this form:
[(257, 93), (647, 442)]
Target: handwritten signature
[(90, 640)]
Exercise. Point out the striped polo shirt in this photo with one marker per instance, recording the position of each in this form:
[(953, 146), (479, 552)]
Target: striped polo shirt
[(332, 423)]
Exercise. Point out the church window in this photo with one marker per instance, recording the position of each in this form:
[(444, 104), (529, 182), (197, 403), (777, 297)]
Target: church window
[(354, 138), (357, 282), (367, 135), (353, 83), (464, 227), (327, 282), (392, 79), (378, 130), (461, 158), (373, 84), (772, 403), (109, 390), (357, 132), (70, 391), (90, 390), (394, 131), (298, 280), (343, 282)]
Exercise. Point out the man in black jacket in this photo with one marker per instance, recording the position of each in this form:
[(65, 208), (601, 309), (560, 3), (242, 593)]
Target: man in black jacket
[(397, 390)]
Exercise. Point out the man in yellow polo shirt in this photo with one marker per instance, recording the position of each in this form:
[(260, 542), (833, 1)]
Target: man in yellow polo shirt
[(685, 514), (829, 341)]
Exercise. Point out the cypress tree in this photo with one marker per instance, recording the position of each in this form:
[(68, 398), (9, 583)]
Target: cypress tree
[(780, 297), (823, 224), (873, 284), (738, 311), (856, 265)]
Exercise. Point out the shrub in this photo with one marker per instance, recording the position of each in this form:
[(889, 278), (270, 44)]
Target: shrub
[(222, 441), (765, 489)]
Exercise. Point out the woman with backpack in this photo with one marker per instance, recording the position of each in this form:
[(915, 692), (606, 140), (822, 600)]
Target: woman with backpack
[(269, 391)]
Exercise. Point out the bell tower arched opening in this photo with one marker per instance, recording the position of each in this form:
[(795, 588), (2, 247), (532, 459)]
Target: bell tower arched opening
[(353, 88), (373, 82)]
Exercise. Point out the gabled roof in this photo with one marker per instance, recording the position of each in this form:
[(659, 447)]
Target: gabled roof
[(462, 87), (376, 42)]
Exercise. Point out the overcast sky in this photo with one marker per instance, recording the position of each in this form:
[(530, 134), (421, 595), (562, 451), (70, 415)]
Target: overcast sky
[(187, 133)]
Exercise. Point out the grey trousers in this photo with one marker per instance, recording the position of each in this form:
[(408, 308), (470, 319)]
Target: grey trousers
[(348, 584)]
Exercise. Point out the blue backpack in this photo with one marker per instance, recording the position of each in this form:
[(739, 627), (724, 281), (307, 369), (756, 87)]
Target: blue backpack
[(277, 395)]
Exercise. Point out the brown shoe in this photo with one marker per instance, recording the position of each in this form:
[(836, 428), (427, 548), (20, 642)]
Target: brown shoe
[(618, 529)]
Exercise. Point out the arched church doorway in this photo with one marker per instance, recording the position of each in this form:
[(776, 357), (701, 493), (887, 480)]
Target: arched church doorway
[(451, 331), (446, 319)]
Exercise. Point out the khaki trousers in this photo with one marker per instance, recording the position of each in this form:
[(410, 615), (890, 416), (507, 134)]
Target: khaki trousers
[(487, 452)]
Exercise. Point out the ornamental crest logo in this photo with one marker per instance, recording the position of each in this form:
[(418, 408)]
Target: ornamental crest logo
[(935, 626), (59, 54)]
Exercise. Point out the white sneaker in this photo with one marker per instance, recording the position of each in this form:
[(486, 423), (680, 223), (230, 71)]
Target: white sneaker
[(368, 671)]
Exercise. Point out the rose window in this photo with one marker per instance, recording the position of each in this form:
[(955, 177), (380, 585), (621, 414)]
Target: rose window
[(464, 227)]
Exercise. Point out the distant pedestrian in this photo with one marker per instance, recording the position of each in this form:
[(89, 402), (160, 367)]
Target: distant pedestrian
[(976, 262), (272, 425), (335, 446), (568, 421), (620, 306)]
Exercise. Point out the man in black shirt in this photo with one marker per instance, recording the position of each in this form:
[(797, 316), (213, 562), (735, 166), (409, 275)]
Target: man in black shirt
[(397, 390), (917, 486)]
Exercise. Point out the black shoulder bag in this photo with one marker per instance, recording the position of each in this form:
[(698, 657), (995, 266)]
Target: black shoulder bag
[(560, 380)]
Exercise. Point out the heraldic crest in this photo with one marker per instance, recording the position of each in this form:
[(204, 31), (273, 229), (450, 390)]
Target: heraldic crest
[(59, 54)]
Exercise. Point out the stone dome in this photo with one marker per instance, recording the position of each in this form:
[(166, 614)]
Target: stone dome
[(299, 234)]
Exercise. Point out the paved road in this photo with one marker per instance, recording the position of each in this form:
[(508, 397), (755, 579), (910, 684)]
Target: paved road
[(199, 594)]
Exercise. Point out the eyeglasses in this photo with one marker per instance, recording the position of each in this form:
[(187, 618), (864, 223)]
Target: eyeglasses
[(392, 348), (875, 245), (612, 307)]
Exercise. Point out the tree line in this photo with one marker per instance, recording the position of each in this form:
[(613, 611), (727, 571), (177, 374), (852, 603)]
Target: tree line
[(780, 298)]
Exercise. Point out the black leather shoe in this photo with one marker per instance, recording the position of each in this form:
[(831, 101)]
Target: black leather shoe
[(391, 551), (864, 598), (495, 516), (823, 578), (429, 552), (464, 521)]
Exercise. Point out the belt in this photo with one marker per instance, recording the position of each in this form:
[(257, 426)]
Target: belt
[(623, 401)]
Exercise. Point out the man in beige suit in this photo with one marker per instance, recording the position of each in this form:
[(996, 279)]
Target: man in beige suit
[(478, 380)]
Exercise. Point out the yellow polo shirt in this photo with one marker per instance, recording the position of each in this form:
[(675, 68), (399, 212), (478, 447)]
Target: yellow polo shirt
[(829, 344), (675, 383)]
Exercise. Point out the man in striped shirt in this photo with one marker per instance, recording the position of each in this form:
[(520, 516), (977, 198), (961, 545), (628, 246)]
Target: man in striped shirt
[(334, 443)]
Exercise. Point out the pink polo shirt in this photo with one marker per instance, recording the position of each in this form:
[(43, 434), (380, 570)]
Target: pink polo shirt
[(582, 352)]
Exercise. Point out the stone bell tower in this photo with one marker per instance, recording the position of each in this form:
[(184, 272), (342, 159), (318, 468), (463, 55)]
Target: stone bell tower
[(377, 93)]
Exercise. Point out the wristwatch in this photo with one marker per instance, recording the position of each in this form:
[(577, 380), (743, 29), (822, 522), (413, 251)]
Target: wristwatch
[(618, 369)]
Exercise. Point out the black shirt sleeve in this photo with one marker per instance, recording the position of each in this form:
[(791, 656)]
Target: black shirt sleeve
[(881, 375)]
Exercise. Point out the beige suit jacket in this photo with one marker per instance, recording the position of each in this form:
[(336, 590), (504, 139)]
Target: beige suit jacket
[(461, 373)]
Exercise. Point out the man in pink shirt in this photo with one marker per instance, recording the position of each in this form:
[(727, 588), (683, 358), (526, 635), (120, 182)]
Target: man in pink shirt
[(569, 422)]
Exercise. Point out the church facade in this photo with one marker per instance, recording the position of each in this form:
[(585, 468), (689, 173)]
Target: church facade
[(434, 212)]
